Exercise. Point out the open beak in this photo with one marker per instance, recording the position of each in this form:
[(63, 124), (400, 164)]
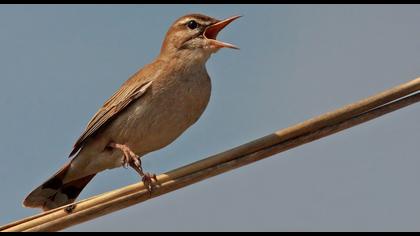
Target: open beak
[(211, 32)]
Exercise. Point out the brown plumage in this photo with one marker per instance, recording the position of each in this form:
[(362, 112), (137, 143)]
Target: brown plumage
[(130, 91), (149, 111)]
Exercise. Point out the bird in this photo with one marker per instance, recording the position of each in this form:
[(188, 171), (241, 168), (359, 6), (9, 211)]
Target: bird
[(148, 112)]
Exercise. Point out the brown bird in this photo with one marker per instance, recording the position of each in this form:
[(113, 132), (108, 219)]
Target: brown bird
[(148, 112)]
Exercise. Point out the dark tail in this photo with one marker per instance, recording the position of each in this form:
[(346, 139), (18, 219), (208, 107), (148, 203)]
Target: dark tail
[(53, 193)]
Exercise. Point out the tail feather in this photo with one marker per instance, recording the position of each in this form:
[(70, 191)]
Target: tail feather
[(54, 193)]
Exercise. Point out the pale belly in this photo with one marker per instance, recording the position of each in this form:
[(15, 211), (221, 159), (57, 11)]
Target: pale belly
[(146, 127), (150, 123)]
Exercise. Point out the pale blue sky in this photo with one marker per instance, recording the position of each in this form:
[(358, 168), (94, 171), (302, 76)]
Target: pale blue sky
[(58, 64)]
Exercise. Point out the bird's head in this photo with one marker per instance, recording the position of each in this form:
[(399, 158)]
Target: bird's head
[(195, 35)]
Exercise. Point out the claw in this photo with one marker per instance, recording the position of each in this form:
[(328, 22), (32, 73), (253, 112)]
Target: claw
[(154, 177), (148, 182)]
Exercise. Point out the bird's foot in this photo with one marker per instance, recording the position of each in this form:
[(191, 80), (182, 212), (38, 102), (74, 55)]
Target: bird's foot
[(130, 158), (148, 181)]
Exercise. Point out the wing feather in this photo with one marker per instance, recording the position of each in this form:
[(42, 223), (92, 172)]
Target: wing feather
[(128, 93)]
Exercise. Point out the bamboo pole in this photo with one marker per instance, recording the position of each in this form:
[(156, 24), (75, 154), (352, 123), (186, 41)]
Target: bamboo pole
[(282, 140)]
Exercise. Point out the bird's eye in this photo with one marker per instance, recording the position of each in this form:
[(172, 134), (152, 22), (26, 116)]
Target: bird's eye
[(192, 24)]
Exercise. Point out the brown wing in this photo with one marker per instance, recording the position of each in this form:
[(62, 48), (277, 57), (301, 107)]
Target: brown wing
[(124, 96)]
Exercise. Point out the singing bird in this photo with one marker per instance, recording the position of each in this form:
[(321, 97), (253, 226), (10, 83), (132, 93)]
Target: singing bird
[(148, 112)]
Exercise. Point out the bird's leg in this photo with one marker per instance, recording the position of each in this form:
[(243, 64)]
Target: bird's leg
[(130, 158)]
